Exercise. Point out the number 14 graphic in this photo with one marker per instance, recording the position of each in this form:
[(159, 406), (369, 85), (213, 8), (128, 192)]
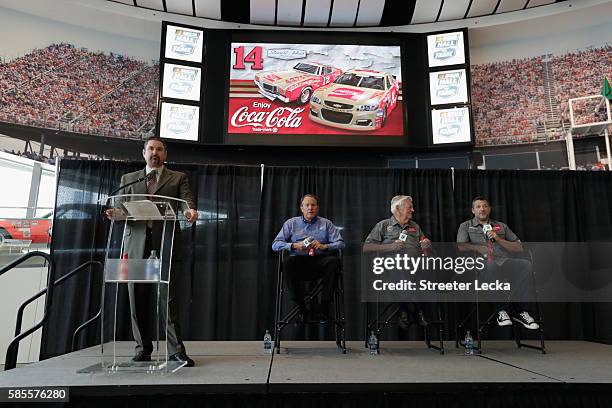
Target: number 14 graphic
[(253, 57)]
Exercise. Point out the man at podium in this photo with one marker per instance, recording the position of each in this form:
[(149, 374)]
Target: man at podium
[(139, 242)]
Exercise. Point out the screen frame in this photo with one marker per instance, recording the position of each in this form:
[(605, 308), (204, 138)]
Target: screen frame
[(430, 107), (318, 38), (203, 80)]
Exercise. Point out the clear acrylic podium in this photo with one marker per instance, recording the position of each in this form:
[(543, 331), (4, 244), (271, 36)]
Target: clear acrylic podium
[(126, 264)]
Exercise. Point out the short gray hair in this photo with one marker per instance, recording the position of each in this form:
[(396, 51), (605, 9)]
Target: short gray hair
[(398, 201)]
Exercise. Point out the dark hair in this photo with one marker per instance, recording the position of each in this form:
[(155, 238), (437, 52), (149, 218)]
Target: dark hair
[(308, 195), (159, 139), (480, 198)]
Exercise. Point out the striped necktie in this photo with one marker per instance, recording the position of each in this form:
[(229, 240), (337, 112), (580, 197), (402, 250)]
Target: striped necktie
[(152, 183)]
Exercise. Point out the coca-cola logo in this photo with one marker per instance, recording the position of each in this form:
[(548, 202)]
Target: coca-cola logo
[(280, 117)]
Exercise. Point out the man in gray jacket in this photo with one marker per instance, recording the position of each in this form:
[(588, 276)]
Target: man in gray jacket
[(142, 237)]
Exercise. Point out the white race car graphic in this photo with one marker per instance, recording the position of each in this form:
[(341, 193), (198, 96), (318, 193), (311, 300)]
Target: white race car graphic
[(359, 99)]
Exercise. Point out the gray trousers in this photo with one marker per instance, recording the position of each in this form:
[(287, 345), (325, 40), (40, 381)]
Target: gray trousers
[(143, 303)]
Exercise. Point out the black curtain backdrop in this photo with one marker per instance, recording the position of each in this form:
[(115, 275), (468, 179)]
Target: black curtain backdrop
[(355, 200), (228, 275)]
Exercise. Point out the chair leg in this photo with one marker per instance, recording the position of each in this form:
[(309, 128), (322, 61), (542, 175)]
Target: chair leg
[(336, 319), (440, 328), (478, 328), (459, 326), (278, 326), (278, 307), (341, 324), (366, 314)]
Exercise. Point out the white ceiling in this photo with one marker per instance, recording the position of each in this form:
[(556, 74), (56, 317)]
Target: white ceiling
[(337, 13)]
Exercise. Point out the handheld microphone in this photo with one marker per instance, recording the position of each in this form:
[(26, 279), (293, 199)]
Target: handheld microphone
[(486, 228), (308, 241)]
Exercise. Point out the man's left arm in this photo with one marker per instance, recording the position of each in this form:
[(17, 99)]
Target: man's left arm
[(334, 239), (511, 243), (186, 194)]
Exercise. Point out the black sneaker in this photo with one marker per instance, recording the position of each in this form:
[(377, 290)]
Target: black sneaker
[(182, 356), (526, 320), (142, 356)]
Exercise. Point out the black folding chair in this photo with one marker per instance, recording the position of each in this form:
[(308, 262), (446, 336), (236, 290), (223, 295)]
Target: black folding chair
[(389, 316), (280, 320), (517, 328)]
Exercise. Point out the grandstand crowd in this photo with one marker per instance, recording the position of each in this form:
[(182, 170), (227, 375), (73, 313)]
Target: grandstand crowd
[(508, 98), (74, 89), (68, 88), (580, 74)]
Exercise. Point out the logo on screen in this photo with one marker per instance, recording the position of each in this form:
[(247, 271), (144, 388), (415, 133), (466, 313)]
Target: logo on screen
[(277, 118), (445, 54), (447, 40), (451, 123), (178, 127), (446, 46), (181, 87), (181, 113), (186, 36), (183, 49), (346, 93), (448, 84), (286, 54), (184, 74)]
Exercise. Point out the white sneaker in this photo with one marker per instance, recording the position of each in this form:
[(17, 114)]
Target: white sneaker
[(526, 320), (503, 319)]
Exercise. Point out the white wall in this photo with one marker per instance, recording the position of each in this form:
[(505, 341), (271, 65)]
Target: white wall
[(28, 31), (16, 286), (557, 34)]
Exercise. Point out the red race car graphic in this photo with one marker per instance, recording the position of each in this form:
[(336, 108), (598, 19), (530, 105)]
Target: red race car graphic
[(296, 84)]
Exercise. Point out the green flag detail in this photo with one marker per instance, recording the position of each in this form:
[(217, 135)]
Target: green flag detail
[(606, 89)]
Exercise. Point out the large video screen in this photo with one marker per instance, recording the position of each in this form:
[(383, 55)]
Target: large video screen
[(310, 89)]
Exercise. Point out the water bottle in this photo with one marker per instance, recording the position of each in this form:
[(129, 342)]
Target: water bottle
[(124, 267), (151, 272), (267, 343), (373, 344), (469, 344)]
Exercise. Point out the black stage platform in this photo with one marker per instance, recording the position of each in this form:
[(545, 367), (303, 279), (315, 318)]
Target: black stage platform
[(228, 374)]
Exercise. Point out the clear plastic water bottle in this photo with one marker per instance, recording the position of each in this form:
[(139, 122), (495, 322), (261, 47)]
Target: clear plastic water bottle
[(373, 344), (151, 272), (469, 344), (267, 343)]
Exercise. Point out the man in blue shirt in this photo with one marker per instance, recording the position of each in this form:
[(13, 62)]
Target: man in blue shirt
[(309, 239)]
